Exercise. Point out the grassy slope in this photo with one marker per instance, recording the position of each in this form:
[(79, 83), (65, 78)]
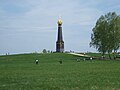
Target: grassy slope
[(19, 72)]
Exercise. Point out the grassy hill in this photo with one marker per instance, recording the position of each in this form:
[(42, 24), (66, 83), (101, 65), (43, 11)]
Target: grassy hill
[(19, 72)]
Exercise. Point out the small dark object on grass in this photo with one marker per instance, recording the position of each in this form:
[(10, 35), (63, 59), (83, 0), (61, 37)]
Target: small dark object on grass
[(60, 61), (36, 61)]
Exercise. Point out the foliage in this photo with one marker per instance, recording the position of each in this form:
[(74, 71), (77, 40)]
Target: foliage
[(44, 51), (106, 33)]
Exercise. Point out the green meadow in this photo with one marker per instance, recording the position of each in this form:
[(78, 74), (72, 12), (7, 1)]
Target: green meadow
[(19, 72)]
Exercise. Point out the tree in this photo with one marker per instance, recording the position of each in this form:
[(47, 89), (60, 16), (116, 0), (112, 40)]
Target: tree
[(98, 37), (106, 34), (44, 51), (115, 33), (48, 51)]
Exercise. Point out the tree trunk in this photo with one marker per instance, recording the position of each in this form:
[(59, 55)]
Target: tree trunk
[(109, 56), (103, 55)]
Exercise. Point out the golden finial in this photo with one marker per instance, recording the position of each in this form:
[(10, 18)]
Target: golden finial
[(59, 21)]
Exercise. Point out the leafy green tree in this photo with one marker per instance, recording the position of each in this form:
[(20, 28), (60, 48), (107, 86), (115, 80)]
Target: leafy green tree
[(44, 51), (115, 33), (48, 51), (106, 34), (98, 37)]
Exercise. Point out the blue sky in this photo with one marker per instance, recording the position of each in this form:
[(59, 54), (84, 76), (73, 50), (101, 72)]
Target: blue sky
[(31, 25)]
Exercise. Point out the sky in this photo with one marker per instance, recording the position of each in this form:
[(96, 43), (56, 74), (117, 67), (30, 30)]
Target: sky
[(28, 26)]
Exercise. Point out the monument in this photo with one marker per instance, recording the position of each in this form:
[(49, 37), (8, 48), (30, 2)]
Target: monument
[(59, 42)]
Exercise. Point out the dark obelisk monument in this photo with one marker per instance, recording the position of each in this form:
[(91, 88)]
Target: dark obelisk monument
[(59, 42)]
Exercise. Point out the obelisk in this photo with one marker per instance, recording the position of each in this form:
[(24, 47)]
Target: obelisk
[(59, 42)]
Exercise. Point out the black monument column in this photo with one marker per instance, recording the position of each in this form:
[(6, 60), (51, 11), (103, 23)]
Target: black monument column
[(60, 42)]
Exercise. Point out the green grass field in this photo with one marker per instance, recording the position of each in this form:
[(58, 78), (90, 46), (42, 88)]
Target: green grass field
[(19, 72)]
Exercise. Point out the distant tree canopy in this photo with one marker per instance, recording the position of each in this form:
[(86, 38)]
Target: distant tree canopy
[(106, 34), (44, 51)]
